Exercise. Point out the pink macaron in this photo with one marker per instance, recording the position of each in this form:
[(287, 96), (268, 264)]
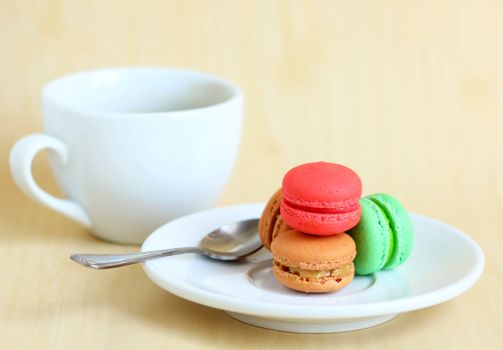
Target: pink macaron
[(321, 198)]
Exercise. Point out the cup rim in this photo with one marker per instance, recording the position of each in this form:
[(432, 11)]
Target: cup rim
[(235, 91)]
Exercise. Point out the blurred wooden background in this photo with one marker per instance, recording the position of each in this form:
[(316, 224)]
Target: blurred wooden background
[(408, 93)]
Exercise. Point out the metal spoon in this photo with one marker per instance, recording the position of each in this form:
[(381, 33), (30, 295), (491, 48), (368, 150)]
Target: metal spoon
[(229, 242)]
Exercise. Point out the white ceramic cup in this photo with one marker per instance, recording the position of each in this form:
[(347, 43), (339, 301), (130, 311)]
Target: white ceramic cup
[(133, 148)]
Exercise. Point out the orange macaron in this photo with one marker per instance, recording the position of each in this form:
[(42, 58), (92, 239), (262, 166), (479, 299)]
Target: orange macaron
[(313, 264), (271, 223)]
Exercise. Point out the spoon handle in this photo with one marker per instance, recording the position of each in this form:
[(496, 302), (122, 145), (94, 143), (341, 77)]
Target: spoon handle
[(107, 261)]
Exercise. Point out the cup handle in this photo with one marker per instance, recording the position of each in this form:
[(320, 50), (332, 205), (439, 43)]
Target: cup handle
[(21, 159)]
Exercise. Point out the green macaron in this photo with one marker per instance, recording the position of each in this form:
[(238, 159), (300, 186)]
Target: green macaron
[(384, 235), (401, 225)]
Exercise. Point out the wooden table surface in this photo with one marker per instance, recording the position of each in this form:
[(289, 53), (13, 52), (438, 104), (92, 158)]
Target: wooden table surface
[(408, 93)]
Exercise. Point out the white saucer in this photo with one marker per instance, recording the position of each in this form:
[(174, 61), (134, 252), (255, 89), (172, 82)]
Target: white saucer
[(444, 263)]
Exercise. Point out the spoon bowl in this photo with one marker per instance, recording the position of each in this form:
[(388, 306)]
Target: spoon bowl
[(232, 241), (229, 242)]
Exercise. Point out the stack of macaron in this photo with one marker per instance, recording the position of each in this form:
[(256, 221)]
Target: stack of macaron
[(320, 231)]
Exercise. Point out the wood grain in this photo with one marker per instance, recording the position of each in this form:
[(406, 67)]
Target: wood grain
[(408, 93)]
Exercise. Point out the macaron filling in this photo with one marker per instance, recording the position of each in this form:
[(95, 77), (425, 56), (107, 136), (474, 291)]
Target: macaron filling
[(338, 272), (318, 208)]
